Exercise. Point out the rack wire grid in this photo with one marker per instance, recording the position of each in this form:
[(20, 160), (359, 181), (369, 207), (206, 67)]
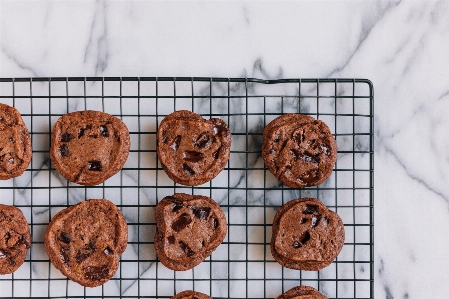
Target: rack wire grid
[(242, 266)]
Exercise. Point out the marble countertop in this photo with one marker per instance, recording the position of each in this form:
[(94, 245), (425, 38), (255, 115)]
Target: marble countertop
[(400, 46)]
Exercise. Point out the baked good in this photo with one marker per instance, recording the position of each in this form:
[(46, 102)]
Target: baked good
[(191, 295), (15, 143), (85, 241), (88, 147), (192, 150), (306, 235), (299, 150), (15, 239), (302, 292), (189, 228)]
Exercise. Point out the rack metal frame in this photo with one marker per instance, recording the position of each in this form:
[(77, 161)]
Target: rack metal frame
[(247, 192)]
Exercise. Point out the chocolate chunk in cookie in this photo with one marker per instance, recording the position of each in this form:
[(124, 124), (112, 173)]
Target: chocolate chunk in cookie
[(85, 241), (191, 295), (189, 229), (302, 292), (299, 150), (15, 143), (306, 235), (193, 150), (15, 239), (88, 147)]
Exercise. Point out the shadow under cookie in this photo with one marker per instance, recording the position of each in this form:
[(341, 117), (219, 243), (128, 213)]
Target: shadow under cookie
[(85, 241), (15, 143), (189, 229), (191, 149), (88, 147), (15, 239)]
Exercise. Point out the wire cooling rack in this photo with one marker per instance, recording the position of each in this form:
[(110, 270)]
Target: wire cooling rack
[(242, 266)]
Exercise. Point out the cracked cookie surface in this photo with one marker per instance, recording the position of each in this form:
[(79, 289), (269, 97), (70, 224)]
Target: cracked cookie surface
[(88, 147), (191, 149), (189, 229), (85, 241), (15, 238), (306, 235), (15, 143), (299, 150)]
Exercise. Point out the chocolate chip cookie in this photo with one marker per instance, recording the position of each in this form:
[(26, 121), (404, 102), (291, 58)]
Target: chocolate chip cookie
[(85, 241), (15, 239), (189, 228), (88, 147), (15, 143), (191, 295), (192, 150), (306, 235), (299, 150), (302, 292)]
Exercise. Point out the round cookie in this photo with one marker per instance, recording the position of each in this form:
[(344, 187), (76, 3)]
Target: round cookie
[(191, 295), (189, 229), (15, 239), (193, 150), (306, 235), (15, 143), (299, 150), (85, 241), (88, 147), (302, 292)]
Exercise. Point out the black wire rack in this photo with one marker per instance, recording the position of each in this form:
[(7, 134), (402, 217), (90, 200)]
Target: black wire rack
[(242, 266)]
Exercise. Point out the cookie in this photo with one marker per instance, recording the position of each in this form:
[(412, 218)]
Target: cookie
[(306, 235), (15, 239), (191, 295), (85, 241), (302, 292), (88, 147), (15, 143), (192, 150), (189, 228), (299, 150)]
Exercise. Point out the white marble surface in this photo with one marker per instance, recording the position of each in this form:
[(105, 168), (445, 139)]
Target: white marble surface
[(401, 46)]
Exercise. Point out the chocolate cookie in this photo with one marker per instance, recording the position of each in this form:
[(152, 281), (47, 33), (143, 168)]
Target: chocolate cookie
[(306, 235), (299, 150), (15, 143), (302, 292), (88, 147), (15, 239), (193, 150), (85, 241), (189, 228), (191, 295)]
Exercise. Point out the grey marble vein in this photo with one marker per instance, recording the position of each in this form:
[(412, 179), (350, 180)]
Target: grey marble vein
[(97, 45), (10, 56)]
